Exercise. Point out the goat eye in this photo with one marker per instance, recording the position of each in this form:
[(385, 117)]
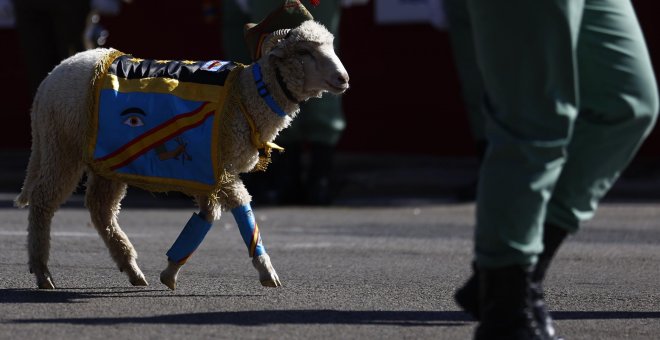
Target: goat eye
[(134, 121)]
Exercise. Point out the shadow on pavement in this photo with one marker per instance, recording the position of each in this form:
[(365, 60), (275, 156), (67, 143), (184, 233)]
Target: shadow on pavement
[(256, 318), (266, 317), (77, 295), (391, 318), (604, 315)]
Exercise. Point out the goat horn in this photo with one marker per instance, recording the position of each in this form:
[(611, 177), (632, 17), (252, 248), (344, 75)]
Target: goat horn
[(273, 39), (281, 33)]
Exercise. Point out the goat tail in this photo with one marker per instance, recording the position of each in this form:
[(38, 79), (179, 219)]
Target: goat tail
[(34, 164), (31, 176), (23, 199)]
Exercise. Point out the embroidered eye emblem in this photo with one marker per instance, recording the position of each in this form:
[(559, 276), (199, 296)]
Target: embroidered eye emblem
[(133, 116), (134, 121)]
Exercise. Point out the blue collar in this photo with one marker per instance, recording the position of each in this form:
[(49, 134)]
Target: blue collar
[(263, 90)]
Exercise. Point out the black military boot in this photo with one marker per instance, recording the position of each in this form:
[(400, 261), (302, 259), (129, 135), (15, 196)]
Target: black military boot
[(505, 305), (553, 237), (467, 296)]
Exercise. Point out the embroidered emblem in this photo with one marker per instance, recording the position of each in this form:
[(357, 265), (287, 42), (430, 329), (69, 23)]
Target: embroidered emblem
[(214, 65)]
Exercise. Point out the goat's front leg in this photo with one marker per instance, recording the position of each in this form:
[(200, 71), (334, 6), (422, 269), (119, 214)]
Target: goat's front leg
[(190, 238), (250, 233), (239, 200)]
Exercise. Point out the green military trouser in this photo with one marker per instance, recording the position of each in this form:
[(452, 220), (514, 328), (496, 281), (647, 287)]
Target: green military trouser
[(320, 120), (571, 96)]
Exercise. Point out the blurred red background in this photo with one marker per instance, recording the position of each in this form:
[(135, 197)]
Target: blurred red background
[(404, 95)]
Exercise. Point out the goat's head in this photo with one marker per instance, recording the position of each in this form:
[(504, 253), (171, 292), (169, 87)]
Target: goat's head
[(307, 59)]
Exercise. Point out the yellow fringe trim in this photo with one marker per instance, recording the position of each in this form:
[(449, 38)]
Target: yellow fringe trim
[(255, 138), (100, 70)]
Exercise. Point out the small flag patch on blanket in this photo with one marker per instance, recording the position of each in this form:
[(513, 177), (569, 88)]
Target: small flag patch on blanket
[(155, 122)]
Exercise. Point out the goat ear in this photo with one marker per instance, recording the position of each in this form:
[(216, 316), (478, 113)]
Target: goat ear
[(277, 52)]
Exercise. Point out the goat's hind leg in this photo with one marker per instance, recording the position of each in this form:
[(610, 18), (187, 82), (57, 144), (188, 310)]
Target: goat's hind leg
[(39, 221), (46, 194), (103, 199)]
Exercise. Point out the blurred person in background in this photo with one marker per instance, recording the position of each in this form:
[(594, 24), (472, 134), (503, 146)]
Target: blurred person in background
[(49, 31)]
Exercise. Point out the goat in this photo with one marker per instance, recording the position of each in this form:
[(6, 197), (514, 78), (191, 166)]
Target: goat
[(261, 99)]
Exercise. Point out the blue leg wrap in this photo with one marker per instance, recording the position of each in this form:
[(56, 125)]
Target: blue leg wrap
[(249, 229), (190, 238)]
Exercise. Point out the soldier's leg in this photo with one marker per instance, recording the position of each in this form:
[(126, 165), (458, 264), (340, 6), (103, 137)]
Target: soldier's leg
[(618, 107), (530, 82)]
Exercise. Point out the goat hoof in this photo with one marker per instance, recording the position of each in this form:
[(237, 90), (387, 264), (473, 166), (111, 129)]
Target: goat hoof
[(42, 274), (168, 281), (139, 281), (45, 283), (267, 275), (135, 276), (169, 275), (272, 282)]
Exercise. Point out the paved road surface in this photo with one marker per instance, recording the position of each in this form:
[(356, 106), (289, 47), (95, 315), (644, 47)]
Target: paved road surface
[(360, 272)]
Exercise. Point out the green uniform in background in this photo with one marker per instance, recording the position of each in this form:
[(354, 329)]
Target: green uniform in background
[(571, 96)]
